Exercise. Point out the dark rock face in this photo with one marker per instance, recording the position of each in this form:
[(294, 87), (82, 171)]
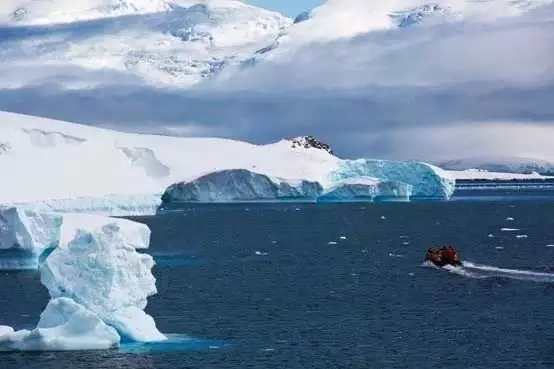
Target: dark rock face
[(310, 141)]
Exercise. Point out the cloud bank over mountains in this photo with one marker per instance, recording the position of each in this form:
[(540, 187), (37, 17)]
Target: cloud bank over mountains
[(404, 79)]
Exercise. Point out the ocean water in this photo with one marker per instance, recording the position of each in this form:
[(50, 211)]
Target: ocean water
[(333, 286)]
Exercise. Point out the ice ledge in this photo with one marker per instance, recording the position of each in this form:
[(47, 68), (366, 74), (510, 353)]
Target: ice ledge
[(109, 205)]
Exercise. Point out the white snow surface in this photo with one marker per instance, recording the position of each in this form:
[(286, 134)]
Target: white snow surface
[(53, 164), (64, 326), (98, 284)]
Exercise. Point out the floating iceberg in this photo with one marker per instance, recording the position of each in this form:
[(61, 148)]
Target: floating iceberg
[(427, 181), (241, 185), (367, 189), (98, 282)]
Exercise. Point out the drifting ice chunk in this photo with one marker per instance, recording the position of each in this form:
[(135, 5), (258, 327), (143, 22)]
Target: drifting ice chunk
[(101, 270), (427, 181), (240, 185), (64, 325), (367, 188)]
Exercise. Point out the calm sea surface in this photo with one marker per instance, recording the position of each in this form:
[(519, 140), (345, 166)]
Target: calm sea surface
[(333, 286)]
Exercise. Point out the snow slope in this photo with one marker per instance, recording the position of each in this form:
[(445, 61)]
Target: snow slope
[(69, 167), (178, 42)]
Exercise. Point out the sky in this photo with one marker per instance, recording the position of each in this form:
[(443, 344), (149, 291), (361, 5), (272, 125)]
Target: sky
[(290, 8)]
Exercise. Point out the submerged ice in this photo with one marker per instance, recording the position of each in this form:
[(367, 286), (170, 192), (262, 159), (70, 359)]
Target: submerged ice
[(98, 283)]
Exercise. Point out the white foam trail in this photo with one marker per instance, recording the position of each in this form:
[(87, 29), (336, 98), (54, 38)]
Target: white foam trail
[(492, 271), (479, 271), (509, 229)]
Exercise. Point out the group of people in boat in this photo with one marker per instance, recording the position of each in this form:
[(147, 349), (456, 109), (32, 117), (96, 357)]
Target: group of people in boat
[(446, 255)]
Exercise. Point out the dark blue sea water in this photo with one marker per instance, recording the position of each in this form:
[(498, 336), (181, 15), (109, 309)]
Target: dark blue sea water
[(333, 286)]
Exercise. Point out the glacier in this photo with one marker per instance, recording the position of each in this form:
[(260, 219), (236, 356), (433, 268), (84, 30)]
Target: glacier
[(98, 284), (241, 185), (383, 182), (63, 167), (368, 189), (427, 181)]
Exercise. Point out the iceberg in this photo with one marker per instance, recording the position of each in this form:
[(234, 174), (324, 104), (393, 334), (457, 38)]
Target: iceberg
[(98, 283), (427, 181), (367, 189), (26, 234), (64, 325), (241, 185)]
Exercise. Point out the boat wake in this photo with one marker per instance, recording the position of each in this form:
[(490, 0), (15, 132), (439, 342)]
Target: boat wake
[(480, 271)]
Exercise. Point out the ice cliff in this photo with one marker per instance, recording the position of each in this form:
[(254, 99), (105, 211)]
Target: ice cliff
[(98, 282), (241, 185), (356, 181)]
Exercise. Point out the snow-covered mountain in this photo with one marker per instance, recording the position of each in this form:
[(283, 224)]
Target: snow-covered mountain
[(340, 19), (178, 42), (63, 166), (502, 164)]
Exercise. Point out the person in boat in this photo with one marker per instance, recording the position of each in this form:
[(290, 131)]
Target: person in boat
[(443, 256)]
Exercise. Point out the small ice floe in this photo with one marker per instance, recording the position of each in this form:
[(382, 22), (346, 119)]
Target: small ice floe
[(383, 217), (261, 253), (332, 243), (521, 236), (490, 235), (499, 247), (395, 255), (509, 229), (509, 218), (342, 237)]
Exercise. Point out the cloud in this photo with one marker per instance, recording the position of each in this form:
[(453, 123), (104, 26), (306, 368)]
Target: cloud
[(516, 51), (433, 93)]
